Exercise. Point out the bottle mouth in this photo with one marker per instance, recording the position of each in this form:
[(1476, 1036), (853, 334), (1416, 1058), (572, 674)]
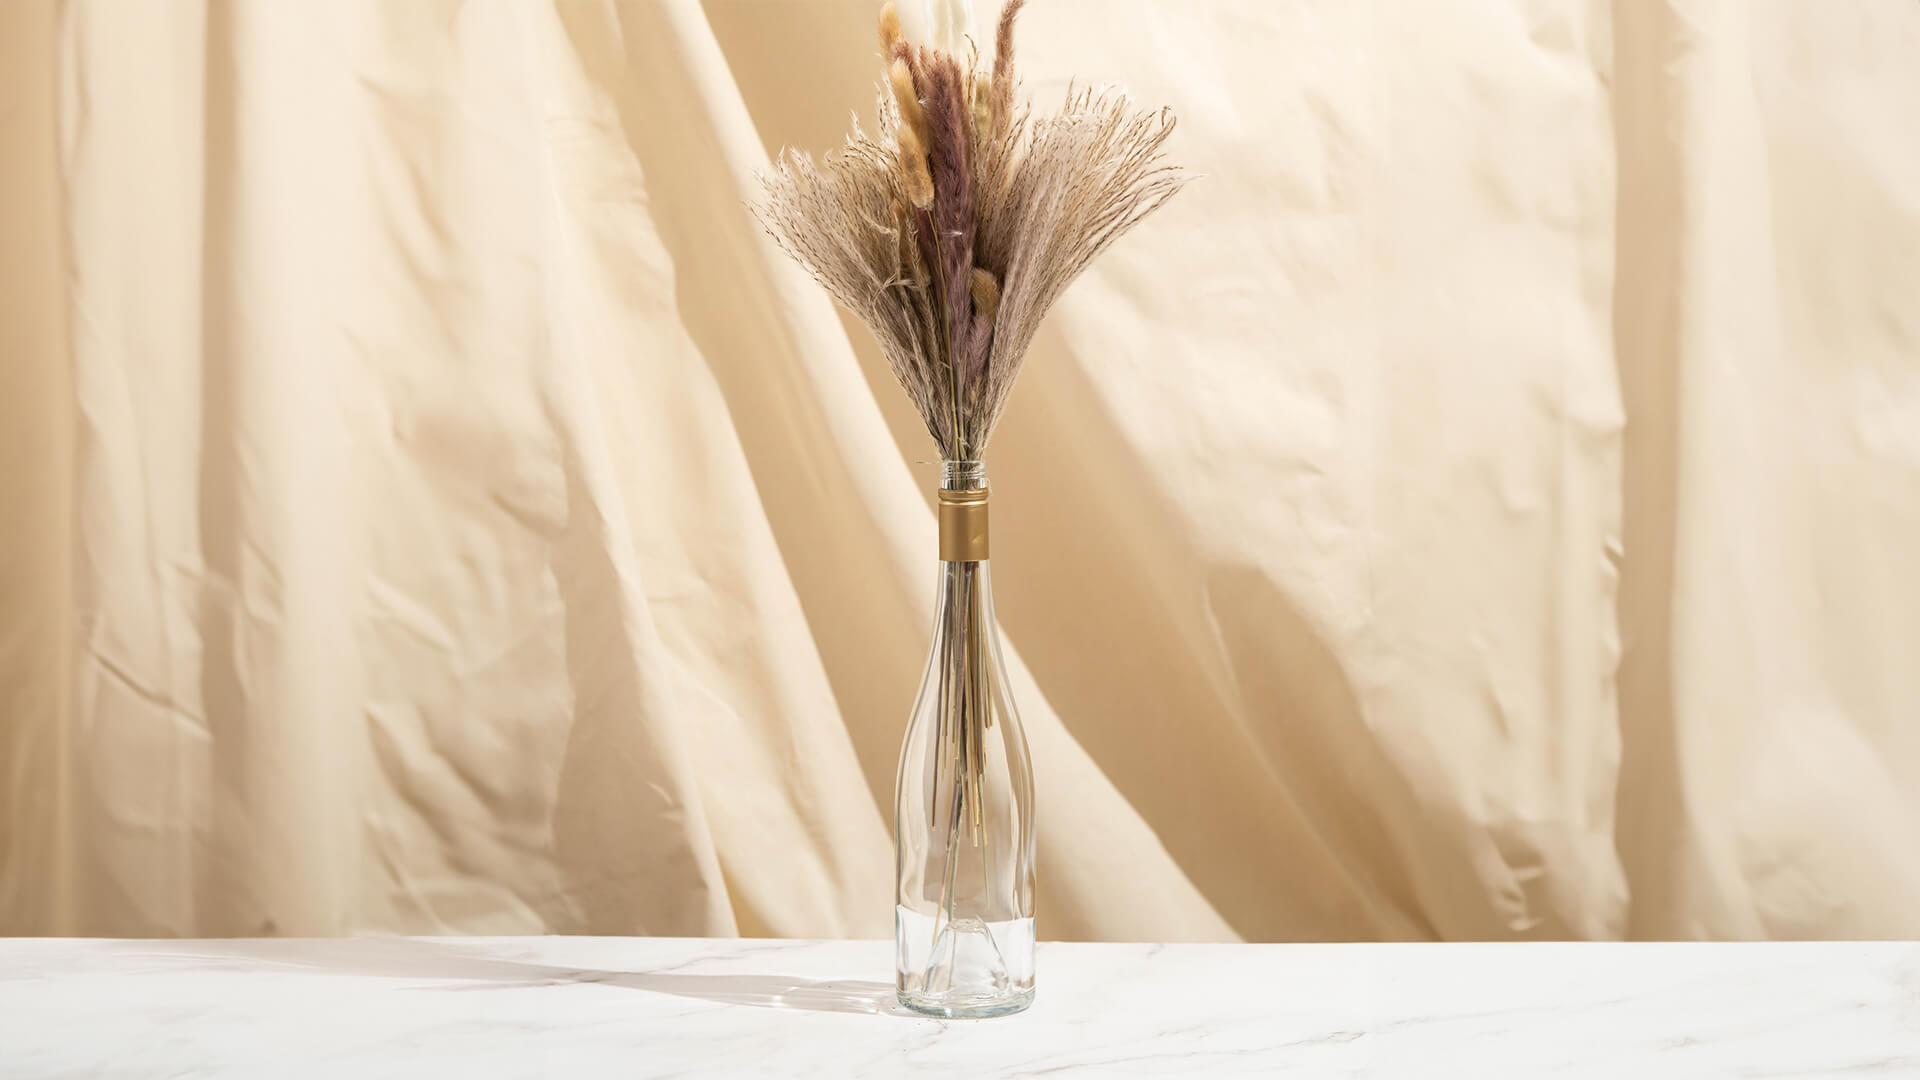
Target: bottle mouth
[(963, 475)]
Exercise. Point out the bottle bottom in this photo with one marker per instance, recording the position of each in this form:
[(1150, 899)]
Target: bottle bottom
[(948, 1010), (964, 968)]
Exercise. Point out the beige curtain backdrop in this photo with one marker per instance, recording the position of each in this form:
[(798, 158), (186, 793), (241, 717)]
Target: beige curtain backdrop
[(1487, 505)]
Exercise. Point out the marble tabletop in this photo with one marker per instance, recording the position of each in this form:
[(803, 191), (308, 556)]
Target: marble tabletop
[(656, 1007)]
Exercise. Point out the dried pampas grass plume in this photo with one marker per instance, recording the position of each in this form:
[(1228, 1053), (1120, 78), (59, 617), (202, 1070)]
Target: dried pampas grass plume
[(1002, 98), (952, 231), (982, 110)]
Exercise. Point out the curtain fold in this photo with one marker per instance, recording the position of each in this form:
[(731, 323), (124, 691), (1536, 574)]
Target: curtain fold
[(1480, 507)]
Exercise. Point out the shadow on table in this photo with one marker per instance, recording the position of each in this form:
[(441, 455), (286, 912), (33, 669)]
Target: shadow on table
[(454, 967)]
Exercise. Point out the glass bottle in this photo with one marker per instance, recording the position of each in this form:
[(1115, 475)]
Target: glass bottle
[(963, 801)]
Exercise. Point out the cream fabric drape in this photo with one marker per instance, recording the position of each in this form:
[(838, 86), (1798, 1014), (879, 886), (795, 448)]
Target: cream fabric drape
[(1484, 506)]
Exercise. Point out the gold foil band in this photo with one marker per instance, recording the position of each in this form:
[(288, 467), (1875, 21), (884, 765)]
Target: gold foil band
[(963, 526)]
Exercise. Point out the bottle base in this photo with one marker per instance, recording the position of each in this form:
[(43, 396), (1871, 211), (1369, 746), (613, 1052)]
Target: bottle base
[(967, 1009)]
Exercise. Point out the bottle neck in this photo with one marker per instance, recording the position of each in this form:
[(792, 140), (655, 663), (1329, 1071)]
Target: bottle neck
[(963, 511)]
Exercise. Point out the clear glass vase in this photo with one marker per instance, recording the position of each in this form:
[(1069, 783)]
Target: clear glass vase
[(963, 801)]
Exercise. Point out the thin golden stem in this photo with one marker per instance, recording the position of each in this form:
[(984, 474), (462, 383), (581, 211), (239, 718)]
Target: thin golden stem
[(951, 719)]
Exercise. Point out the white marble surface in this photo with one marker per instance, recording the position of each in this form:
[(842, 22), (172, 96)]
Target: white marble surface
[(472, 1007)]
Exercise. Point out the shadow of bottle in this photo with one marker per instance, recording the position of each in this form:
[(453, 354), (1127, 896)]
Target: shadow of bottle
[(449, 965)]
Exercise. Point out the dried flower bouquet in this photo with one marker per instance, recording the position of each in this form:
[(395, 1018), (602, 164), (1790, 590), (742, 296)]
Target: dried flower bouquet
[(949, 235)]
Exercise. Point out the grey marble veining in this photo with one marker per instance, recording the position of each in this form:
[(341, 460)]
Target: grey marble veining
[(666, 1007)]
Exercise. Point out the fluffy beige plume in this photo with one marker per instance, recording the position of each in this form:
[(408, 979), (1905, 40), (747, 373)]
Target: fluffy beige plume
[(911, 133), (986, 294), (914, 176), (900, 77), (889, 28)]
